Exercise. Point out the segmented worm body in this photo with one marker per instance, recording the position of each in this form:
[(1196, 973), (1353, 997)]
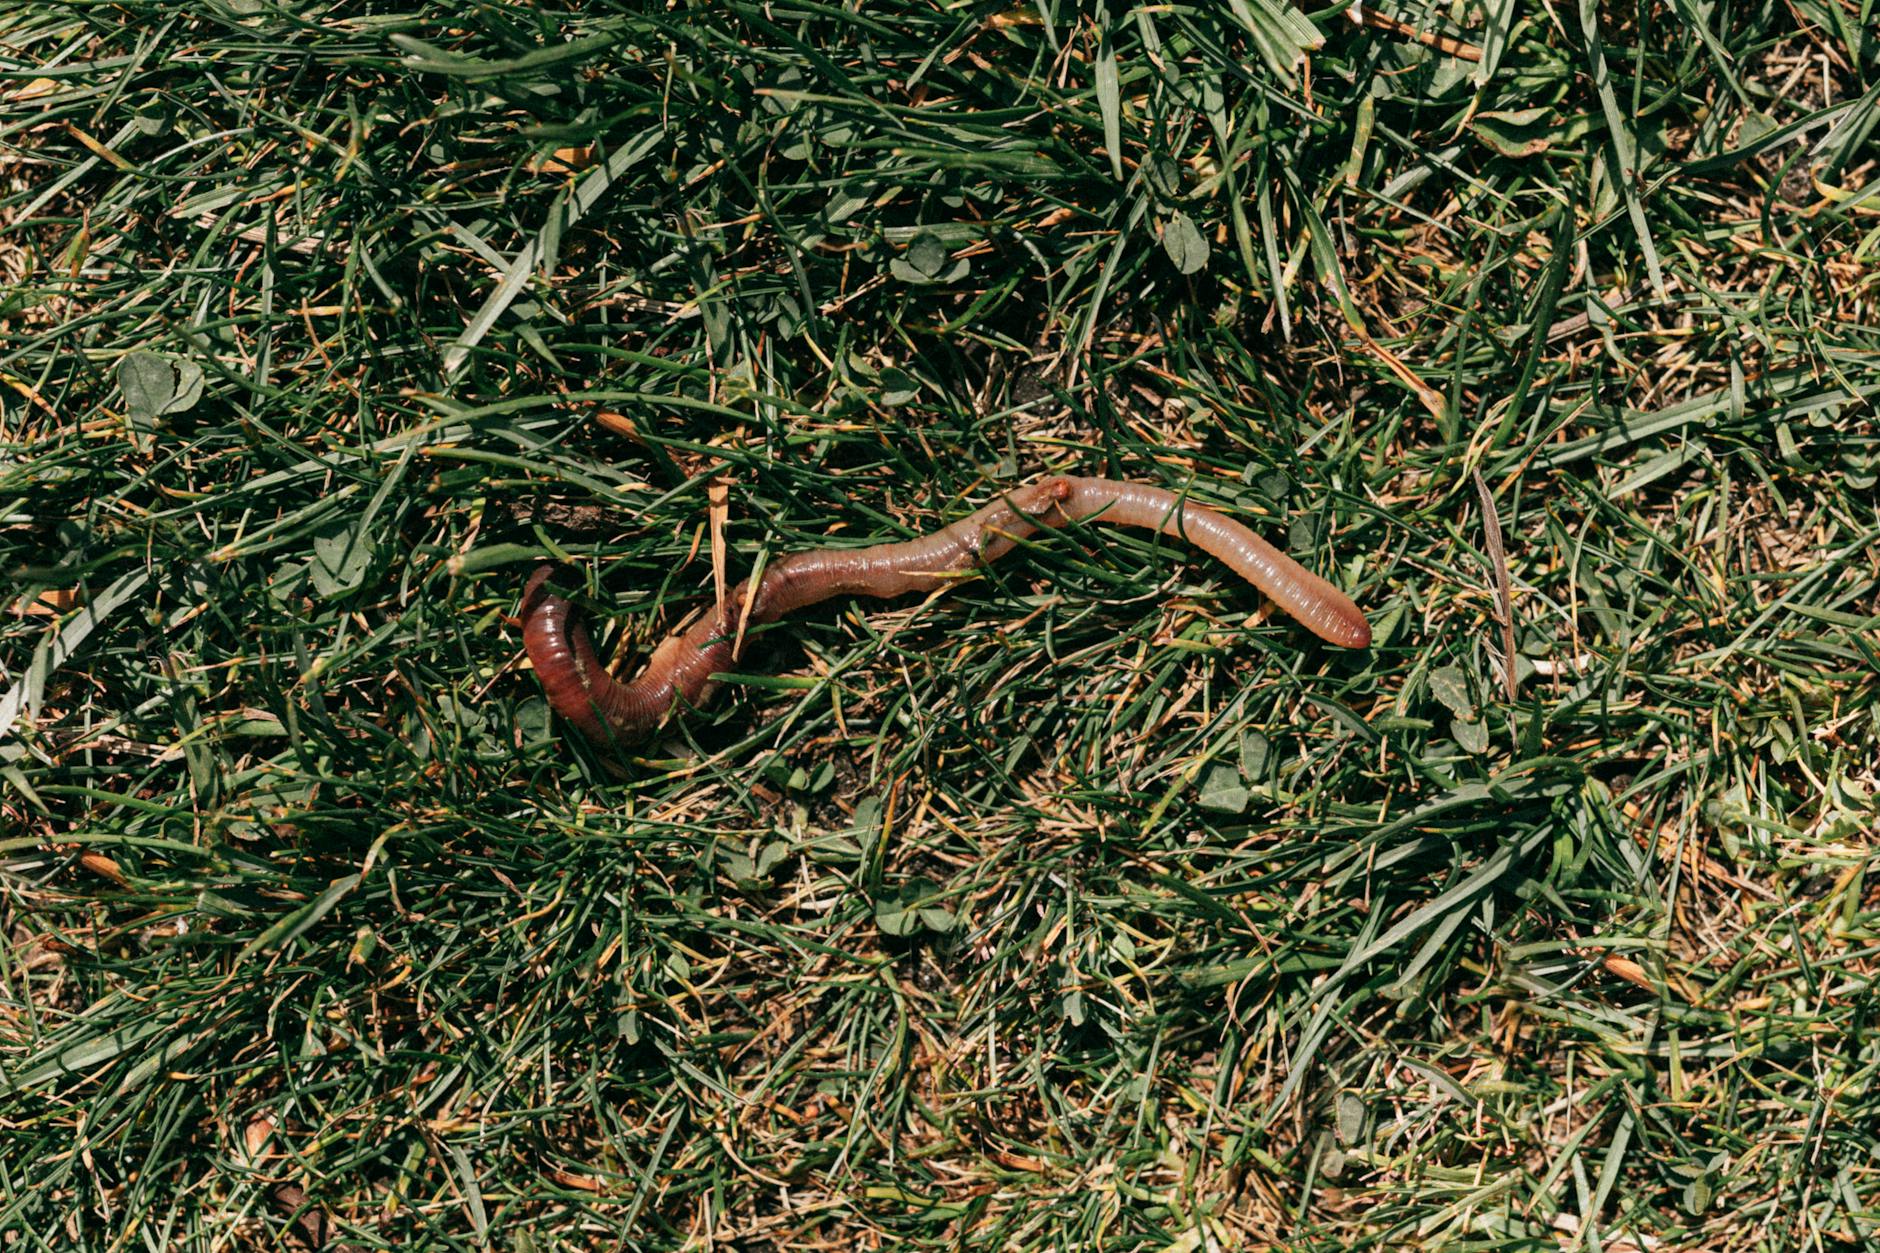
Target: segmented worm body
[(609, 711)]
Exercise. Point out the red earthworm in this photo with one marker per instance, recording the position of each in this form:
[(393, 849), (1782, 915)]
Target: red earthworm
[(607, 710)]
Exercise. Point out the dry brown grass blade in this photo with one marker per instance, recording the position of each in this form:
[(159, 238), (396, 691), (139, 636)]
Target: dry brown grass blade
[(1504, 592)]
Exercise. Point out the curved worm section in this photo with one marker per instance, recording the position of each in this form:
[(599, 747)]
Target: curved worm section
[(608, 711), (1321, 608)]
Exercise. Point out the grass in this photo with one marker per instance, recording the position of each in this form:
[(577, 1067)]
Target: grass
[(1086, 906)]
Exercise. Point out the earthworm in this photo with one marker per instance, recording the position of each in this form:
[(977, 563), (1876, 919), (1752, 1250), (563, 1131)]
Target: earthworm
[(608, 711)]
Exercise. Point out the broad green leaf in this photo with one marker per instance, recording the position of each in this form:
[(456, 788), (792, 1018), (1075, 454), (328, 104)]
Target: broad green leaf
[(898, 387), (1163, 175), (1471, 734), (939, 918), (927, 254), (1222, 790), (1526, 132), (1255, 751), (148, 382), (771, 856), (188, 387), (1185, 244), (1352, 1114), (926, 261), (339, 562), (1449, 685), (915, 905), (895, 917)]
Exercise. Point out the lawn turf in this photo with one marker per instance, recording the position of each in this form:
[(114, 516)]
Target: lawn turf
[(1087, 905)]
